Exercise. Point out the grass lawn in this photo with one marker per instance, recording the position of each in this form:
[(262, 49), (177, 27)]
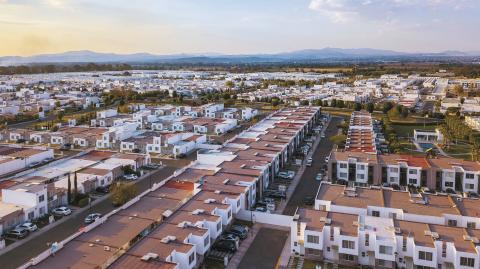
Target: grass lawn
[(407, 130), (461, 151)]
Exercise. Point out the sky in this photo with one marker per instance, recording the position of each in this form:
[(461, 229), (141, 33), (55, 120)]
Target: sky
[(29, 27)]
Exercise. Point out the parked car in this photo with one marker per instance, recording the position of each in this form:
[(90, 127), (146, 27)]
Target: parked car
[(66, 146), (261, 209), (92, 217), (151, 166), (230, 237), (322, 136), (225, 245), (283, 175), (130, 177), (17, 233), (309, 200), (33, 164), (309, 161), (28, 226), (62, 211), (103, 189), (327, 159), (319, 177), (276, 194), (238, 230)]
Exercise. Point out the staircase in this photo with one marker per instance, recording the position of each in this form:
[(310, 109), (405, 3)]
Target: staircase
[(300, 263)]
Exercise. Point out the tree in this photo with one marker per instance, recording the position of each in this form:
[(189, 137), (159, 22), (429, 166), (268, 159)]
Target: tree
[(229, 84), (75, 187), (69, 190), (370, 107), (60, 115), (357, 106), (338, 139), (275, 102), (58, 104), (386, 107), (122, 193)]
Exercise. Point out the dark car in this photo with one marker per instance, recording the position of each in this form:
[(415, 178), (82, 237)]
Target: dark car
[(238, 230), (230, 237), (103, 189), (309, 200), (276, 194), (225, 245), (17, 233)]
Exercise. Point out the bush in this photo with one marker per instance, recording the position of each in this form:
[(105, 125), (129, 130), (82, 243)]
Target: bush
[(122, 193), (83, 202)]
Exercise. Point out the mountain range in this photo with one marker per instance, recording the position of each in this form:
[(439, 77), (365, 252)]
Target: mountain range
[(335, 54)]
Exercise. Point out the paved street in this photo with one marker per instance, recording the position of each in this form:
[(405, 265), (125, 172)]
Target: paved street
[(265, 249), (308, 186), (34, 246)]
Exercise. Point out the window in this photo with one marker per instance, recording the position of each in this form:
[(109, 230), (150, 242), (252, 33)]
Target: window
[(470, 176), (452, 222), (394, 169), (313, 239), (312, 251), (191, 259), (404, 244), (449, 174), (387, 250), (343, 175), (469, 186), (449, 184), (361, 167), (219, 226), (343, 165), (468, 262), (367, 240), (412, 181), (348, 257), (376, 213), (206, 241), (41, 198), (348, 244), (331, 234), (31, 215), (412, 172), (471, 225), (229, 213), (360, 176), (392, 179), (426, 256)]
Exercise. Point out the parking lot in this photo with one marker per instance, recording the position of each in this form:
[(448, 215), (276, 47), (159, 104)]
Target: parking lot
[(33, 246), (308, 185)]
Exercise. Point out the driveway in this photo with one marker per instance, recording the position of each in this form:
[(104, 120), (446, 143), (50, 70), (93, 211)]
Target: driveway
[(265, 249), (308, 186), (34, 246)]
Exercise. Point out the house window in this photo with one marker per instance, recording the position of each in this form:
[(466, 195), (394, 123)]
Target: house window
[(361, 167), (468, 262), (376, 213), (469, 186), (348, 257), (412, 172), (41, 198), (452, 222), (404, 244), (470, 176), (312, 251), (343, 165), (449, 184), (471, 225), (367, 240), (191, 258), (348, 244), (313, 239), (394, 169), (343, 175), (387, 250), (412, 181), (206, 241), (31, 215), (219, 226), (360, 176), (426, 256)]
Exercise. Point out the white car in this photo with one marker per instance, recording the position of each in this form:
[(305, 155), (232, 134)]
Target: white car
[(319, 177), (309, 161), (63, 210), (283, 175), (130, 177), (28, 226), (327, 159)]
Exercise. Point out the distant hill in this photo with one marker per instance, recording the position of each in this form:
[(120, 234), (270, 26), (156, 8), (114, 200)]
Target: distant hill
[(85, 56)]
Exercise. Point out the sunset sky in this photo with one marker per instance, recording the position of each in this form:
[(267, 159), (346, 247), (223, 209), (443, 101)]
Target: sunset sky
[(232, 26)]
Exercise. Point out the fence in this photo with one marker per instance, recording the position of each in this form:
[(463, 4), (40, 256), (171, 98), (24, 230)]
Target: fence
[(265, 218)]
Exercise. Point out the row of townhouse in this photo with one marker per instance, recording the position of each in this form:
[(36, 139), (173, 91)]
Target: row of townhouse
[(438, 173), (33, 194), (174, 226), (170, 143), (15, 158), (383, 228)]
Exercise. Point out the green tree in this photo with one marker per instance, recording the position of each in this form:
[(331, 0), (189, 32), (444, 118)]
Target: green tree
[(357, 106), (370, 107), (122, 193), (229, 84)]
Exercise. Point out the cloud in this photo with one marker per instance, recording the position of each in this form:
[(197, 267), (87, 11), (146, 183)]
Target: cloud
[(379, 10)]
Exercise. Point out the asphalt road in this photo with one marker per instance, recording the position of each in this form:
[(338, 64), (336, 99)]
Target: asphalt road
[(21, 254), (264, 250), (308, 186)]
